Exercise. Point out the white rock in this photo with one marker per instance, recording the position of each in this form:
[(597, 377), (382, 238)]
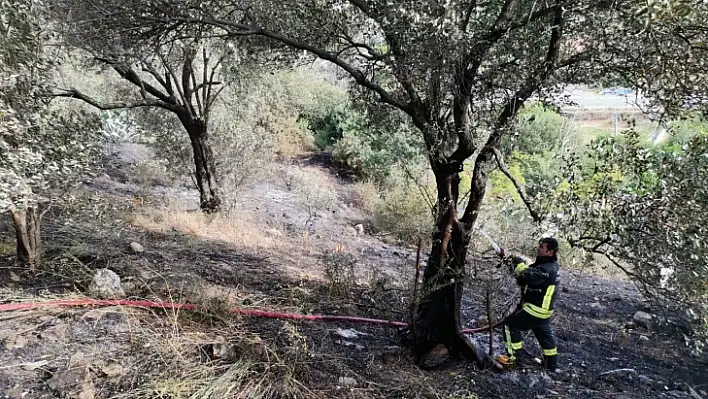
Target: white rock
[(359, 229), (347, 381), (642, 319), (137, 248), (106, 284)]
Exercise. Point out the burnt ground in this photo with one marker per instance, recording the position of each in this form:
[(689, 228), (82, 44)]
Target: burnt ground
[(274, 261)]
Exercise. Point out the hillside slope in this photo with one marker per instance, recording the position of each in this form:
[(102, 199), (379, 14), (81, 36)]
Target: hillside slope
[(281, 252)]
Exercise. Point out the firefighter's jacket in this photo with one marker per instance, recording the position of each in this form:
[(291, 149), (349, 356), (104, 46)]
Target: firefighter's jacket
[(539, 284)]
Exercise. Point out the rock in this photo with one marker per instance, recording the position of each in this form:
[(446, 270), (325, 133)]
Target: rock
[(137, 248), (351, 231), (73, 383), (226, 351), (644, 338), (614, 359), (34, 365), (273, 233), (349, 333), (14, 277), (106, 284), (347, 381), (129, 287), (596, 305), (359, 229), (642, 319), (645, 380), (437, 356), (14, 341)]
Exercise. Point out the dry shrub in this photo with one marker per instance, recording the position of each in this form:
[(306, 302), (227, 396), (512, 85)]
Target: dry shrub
[(401, 209), (405, 214), (149, 173), (235, 228), (366, 196), (181, 358), (339, 271), (311, 190)]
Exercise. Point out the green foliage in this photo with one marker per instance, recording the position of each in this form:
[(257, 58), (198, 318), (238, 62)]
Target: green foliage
[(42, 150), (535, 152), (502, 187), (683, 130), (371, 145), (538, 130), (402, 207), (644, 208)]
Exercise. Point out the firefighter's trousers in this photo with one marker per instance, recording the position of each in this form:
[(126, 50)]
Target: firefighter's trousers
[(521, 321)]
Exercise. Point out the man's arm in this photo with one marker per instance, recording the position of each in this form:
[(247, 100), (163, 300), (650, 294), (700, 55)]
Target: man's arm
[(529, 275)]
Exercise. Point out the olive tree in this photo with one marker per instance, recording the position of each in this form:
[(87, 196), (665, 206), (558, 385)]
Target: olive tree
[(458, 70), (43, 150), (183, 78)]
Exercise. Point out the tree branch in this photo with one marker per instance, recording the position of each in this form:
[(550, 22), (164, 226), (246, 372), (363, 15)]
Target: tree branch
[(131, 76), (238, 29), (519, 188), (400, 71), (174, 79), (187, 71), (467, 16), (467, 69), (73, 93)]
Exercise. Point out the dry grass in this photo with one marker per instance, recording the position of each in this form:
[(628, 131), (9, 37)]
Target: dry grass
[(236, 228)]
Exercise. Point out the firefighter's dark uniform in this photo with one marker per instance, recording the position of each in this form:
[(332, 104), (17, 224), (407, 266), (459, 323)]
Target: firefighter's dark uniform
[(539, 286)]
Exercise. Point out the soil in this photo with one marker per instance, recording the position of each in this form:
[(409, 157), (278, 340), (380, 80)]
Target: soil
[(121, 352)]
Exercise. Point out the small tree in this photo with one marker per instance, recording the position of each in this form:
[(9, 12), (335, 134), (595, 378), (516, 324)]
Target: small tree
[(183, 76), (42, 150)]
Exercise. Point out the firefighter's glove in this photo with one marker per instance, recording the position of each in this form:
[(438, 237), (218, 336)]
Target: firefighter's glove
[(517, 266)]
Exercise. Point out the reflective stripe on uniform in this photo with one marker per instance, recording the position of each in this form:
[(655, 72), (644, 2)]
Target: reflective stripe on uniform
[(536, 311), (520, 268), (517, 345), (547, 298), (508, 344), (550, 352)]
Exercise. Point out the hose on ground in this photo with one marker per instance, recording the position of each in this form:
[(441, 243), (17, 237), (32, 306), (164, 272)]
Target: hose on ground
[(186, 306)]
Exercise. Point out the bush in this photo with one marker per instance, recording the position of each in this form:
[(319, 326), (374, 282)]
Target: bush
[(538, 130), (401, 206)]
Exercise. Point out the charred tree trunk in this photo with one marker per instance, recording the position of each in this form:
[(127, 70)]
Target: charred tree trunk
[(27, 231), (438, 328), (204, 166)]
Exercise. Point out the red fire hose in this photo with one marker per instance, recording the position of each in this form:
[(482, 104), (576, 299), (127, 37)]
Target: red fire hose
[(185, 306)]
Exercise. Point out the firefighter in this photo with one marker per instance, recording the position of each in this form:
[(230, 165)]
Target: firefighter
[(539, 287)]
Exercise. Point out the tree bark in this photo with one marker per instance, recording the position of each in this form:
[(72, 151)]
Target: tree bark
[(27, 233), (204, 166), (438, 317)]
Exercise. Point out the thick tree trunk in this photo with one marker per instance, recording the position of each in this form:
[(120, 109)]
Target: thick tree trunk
[(204, 167), (27, 232), (438, 328)]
